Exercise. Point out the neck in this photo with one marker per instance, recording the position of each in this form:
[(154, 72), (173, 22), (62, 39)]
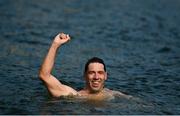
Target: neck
[(89, 91)]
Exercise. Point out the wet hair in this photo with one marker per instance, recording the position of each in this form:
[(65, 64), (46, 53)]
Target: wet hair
[(94, 60)]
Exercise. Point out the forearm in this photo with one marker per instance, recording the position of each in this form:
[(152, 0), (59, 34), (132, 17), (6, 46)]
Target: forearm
[(49, 60)]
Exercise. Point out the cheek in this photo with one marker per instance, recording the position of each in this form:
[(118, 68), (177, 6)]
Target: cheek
[(104, 77), (89, 77)]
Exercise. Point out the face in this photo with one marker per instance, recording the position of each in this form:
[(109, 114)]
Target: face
[(95, 77)]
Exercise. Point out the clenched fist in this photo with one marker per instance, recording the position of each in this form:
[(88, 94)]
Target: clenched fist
[(61, 38)]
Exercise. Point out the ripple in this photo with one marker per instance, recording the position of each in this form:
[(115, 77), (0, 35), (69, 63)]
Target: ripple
[(32, 42), (164, 49)]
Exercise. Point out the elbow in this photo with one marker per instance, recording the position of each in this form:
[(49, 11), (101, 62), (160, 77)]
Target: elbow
[(42, 75)]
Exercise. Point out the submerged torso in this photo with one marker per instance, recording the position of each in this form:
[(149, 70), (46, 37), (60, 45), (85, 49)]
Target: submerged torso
[(104, 95)]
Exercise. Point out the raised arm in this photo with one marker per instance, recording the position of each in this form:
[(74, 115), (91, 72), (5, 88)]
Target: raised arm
[(55, 87)]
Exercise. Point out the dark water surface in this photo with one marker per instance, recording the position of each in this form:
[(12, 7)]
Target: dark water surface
[(138, 39)]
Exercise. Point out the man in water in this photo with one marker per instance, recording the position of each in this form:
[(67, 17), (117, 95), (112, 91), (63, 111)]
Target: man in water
[(95, 75)]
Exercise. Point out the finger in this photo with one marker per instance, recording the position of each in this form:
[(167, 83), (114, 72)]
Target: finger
[(68, 37), (62, 35)]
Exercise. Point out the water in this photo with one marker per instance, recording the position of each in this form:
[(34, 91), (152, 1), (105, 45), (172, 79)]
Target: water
[(139, 41)]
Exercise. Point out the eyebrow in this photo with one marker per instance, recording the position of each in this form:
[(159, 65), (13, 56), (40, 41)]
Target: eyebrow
[(97, 71)]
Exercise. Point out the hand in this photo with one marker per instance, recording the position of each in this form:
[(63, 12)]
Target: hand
[(61, 38)]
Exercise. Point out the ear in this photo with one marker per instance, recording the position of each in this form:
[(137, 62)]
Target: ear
[(106, 75)]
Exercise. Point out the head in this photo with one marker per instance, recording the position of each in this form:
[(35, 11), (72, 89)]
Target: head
[(95, 74)]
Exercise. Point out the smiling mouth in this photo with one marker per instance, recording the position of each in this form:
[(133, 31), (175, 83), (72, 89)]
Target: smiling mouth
[(95, 83)]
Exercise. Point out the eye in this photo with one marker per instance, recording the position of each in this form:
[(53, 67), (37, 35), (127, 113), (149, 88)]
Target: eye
[(101, 72), (91, 72)]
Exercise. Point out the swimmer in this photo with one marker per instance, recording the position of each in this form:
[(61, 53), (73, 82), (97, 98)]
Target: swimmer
[(95, 75)]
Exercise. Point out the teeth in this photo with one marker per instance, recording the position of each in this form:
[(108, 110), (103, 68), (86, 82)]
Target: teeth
[(96, 82)]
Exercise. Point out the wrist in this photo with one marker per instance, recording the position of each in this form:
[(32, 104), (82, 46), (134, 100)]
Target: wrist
[(55, 45)]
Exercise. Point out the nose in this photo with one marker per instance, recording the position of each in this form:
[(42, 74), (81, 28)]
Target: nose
[(96, 77)]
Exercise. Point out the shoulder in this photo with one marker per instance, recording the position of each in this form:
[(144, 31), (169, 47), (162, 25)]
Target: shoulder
[(82, 92), (108, 90)]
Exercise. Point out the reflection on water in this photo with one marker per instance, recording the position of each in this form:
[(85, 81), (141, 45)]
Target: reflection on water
[(138, 40)]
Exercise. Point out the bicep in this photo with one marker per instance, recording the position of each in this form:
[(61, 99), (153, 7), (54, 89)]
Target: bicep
[(56, 88)]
